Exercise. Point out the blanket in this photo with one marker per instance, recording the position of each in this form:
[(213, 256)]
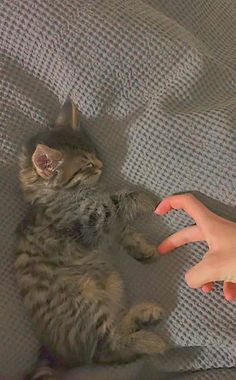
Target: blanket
[(156, 82)]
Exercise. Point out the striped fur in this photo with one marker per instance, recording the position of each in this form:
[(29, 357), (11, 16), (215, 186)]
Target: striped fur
[(73, 294)]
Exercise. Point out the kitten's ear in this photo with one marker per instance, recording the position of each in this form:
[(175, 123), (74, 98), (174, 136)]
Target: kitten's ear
[(68, 116), (46, 160)]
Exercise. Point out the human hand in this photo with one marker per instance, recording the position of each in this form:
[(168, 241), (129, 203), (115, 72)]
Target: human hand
[(219, 263)]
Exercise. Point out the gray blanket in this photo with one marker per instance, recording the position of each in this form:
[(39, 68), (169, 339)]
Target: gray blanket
[(156, 81)]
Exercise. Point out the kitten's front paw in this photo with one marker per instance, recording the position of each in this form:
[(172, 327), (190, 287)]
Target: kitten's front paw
[(143, 254), (146, 202), (139, 248)]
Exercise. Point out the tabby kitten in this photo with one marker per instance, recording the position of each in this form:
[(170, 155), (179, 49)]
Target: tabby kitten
[(73, 293)]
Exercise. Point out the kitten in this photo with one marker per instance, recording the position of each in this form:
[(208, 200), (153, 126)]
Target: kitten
[(73, 293)]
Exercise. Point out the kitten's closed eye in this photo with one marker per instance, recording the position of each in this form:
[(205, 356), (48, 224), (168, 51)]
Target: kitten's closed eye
[(82, 170)]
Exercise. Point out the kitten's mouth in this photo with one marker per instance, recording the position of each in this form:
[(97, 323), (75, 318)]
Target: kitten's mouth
[(98, 173), (92, 179)]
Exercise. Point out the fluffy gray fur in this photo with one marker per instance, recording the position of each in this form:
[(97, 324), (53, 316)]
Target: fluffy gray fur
[(73, 294)]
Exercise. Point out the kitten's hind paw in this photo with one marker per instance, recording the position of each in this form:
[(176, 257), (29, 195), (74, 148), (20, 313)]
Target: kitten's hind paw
[(142, 316), (148, 314), (149, 343)]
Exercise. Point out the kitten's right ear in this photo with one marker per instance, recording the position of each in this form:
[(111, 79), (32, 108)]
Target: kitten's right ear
[(68, 116)]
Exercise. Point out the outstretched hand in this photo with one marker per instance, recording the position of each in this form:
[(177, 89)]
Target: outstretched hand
[(219, 263)]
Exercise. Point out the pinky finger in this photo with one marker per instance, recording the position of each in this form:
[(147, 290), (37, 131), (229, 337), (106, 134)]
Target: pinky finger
[(230, 291)]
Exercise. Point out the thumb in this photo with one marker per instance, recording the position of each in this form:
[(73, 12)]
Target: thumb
[(210, 269)]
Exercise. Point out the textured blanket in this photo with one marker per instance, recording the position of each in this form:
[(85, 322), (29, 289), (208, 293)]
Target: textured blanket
[(156, 81)]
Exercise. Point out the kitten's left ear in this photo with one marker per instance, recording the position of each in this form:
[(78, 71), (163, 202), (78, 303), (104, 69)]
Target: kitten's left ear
[(46, 160), (68, 116)]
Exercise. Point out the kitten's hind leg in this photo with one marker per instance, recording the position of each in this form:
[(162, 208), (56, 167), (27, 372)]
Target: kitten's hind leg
[(129, 347), (129, 340), (137, 246)]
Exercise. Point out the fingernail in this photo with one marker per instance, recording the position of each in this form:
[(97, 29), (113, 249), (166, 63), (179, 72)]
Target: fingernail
[(229, 298), (159, 250), (157, 209), (205, 289)]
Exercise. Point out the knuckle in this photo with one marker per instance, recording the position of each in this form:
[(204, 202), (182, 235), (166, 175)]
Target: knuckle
[(190, 197)]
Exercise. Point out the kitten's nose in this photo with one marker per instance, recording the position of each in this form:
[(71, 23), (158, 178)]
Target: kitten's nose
[(99, 164)]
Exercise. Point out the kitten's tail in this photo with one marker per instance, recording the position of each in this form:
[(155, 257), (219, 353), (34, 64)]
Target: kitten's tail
[(46, 368), (44, 371)]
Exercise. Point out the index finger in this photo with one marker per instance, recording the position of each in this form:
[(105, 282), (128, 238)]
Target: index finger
[(186, 202)]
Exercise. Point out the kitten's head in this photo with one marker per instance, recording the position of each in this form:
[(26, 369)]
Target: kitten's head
[(60, 158)]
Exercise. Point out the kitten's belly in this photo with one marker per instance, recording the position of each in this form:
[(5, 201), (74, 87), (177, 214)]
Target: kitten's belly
[(73, 303)]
